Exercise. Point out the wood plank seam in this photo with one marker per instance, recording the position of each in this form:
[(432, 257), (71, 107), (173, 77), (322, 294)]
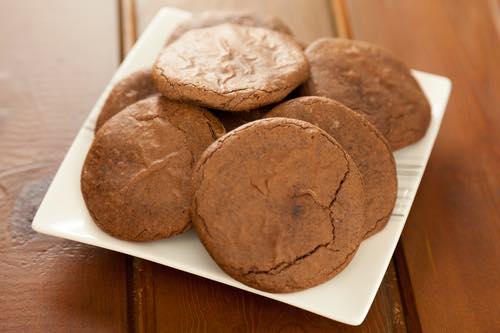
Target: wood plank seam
[(131, 307), (127, 21), (140, 293), (406, 291), (342, 21)]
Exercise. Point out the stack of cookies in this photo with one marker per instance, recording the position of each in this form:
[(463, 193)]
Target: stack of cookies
[(280, 157)]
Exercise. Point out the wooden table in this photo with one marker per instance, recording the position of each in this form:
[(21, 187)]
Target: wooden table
[(55, 58)]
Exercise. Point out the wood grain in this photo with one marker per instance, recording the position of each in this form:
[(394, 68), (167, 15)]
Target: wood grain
[(53, 65), (308, 19), (127, 26), (168, 300), (187, 303), (451, 241)]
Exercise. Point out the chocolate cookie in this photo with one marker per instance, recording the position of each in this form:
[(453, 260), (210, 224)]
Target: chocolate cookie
[(362, 141), (230, 67), (130, 89), (136, 179), (278, 204), (369, 80), (216, 17)]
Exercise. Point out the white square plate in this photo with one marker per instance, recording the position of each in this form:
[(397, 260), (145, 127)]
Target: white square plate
[(345, 298)]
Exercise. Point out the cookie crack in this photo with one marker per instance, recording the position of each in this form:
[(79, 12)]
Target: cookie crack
[(339, 188), (257, 188), (225, 93), (230, 98), (277, 269), (161, 115), (210, 127), (212, 132), (284, 265), (203, 223), (146, 117), (377, 222), (150, 168), (345, 259)]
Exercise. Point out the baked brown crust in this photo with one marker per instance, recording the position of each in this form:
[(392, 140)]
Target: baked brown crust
[(230, 67), (132, 88), (371, 81), (136, 179), (216, 17), (278, 204), (362, 141)]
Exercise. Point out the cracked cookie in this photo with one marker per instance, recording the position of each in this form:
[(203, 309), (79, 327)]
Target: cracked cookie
[(230, 67), (278, 204), (371, 81), (216, 17), (136, 179), (132, 88), (362, 141)]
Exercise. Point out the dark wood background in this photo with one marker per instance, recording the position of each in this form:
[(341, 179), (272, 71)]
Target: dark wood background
[(56, 57)]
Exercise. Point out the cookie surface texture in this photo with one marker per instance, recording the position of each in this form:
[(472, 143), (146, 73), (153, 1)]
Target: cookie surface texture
[(371, 81), (278, 204), (362, 141), (132, 88), (230, 67), (136, 179)]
